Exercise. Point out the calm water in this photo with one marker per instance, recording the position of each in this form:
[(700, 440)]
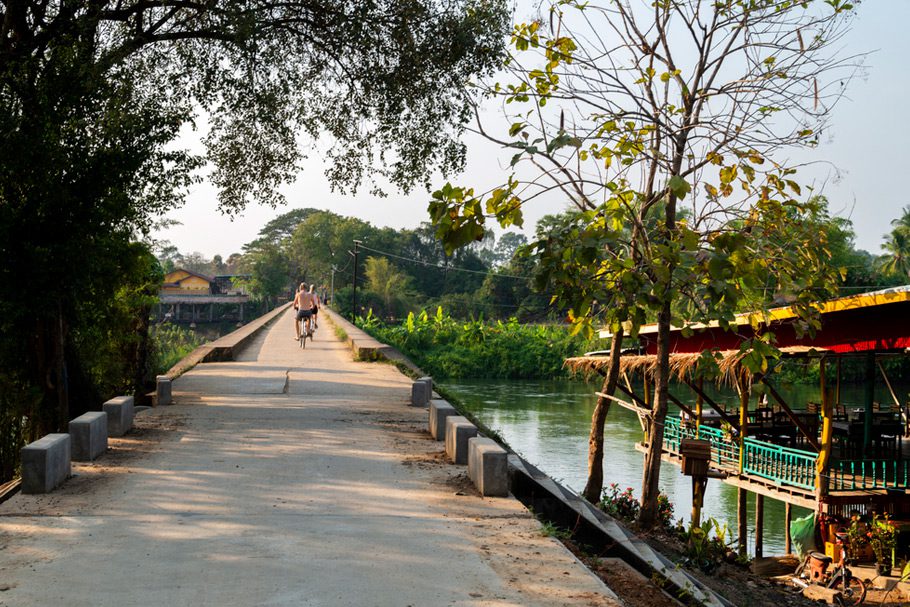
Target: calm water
[(548, 422)]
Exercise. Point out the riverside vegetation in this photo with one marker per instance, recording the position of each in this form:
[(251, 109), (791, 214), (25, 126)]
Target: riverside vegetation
[(448, 348)]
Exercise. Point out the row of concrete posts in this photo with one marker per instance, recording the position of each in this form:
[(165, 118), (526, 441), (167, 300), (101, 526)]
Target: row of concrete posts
[(487, 461), (47, 462)]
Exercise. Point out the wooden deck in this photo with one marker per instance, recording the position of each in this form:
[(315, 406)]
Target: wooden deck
[(788, 474)]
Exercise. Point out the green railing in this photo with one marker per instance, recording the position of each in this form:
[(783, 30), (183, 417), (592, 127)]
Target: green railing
[(848, 475), (724, 452), (782, 465)]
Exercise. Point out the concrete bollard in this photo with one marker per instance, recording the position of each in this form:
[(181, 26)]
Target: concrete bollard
[(119, 415), (429, 382), (488, 467), (163, 390), (46, 463), (88, 436), (439, 411), (421, 392), (458, 431)]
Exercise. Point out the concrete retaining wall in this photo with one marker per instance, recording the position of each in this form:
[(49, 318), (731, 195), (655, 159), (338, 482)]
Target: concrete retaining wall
[(223, 348)]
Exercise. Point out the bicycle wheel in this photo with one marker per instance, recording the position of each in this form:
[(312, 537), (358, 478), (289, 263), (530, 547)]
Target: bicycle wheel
[(854, 593)]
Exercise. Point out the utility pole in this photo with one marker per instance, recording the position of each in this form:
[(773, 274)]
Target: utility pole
[(354, 311), (332, 288)]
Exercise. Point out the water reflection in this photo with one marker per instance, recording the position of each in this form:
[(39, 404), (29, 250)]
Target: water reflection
[(547, 422)]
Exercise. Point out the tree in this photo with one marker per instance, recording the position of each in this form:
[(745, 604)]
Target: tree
[(96, 94), (635, 111), (896, 260), (268, 270), (386, 281)]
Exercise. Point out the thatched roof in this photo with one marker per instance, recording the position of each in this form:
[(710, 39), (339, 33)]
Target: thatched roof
[(682, 366)]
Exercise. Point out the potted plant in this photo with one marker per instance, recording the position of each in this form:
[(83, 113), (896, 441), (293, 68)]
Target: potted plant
[(883, 539), (857, 538)]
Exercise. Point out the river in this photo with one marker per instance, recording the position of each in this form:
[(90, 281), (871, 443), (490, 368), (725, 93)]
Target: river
[(547, 422)]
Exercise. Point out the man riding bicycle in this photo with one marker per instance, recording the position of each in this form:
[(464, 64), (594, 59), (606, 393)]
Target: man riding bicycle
[(304, 302)]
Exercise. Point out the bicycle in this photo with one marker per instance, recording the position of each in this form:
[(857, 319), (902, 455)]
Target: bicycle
[(306, 331), (814, 570)]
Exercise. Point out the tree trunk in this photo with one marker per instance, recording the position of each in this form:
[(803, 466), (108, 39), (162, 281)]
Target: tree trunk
[(649, 486), (595, 484), (49, 372)]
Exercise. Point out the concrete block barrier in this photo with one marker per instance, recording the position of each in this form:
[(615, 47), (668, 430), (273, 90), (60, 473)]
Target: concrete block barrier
[(120, 414), (46, 463), (163, 390), (488, 467), (88, 436), (439, 411), (458, 431), (429, 382), (421, 392)]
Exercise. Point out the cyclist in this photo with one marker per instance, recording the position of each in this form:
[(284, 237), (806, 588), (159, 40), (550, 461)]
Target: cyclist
[(304, 302), (315, 306)]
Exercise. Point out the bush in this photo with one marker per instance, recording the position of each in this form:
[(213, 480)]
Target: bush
[(170, 343), (447, 348)]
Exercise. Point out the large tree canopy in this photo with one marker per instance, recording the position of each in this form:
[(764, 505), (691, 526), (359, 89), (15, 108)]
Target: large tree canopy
[(94, 94)]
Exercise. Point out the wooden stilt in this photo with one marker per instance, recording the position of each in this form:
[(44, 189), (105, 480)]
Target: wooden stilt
[(742, 519), (788, 517), (823, 463), (759, 524), (699, 485), (744, 393)]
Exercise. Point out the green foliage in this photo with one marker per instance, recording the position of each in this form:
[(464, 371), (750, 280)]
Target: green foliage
[(624, 505), (548, 529), (703, 550), (170, 344), (268, 267), (448, 348)]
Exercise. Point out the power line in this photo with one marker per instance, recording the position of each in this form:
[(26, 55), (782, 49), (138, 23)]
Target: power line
[(444, 268)]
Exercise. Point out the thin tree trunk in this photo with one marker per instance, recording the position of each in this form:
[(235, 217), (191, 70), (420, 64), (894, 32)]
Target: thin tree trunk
[(594, 486), (649, 486)]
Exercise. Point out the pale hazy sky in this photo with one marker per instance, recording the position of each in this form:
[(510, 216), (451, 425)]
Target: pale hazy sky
[(867, 142)]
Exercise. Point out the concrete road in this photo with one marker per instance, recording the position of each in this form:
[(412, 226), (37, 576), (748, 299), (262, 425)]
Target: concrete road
[(290, 477)]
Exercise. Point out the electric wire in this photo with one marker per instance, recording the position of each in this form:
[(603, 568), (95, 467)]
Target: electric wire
[(444, 268)]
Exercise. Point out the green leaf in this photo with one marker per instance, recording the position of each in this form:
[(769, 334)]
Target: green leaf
[(679, 186)]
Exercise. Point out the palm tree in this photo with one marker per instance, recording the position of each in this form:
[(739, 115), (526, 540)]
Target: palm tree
[(897, 246)]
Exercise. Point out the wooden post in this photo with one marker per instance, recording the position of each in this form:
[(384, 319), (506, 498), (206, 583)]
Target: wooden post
[(788, 517), (759, 524), (870, 398), (823, 463), (743, 420), (699, 486), (837, 387), (698, 403), (741, 519)]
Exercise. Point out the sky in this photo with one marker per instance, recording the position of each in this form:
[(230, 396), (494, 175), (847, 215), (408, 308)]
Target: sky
[(862, 162)]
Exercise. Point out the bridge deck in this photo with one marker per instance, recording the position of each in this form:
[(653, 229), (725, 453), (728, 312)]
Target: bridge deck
[(290, 477)]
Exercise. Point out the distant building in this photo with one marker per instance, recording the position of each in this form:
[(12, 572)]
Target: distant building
[(188, 296), (185, 282)]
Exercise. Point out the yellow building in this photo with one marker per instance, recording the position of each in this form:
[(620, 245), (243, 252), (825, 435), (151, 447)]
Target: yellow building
[(184, 282)]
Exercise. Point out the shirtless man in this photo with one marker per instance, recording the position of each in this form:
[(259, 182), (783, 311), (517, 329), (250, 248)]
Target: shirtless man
[(304, 302)]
